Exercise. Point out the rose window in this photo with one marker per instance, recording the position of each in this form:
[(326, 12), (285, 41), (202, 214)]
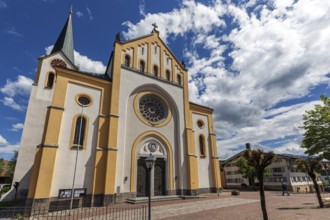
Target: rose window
[(152, 108)]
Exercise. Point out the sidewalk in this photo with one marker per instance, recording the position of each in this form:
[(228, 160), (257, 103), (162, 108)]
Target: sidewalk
[(245, 206)]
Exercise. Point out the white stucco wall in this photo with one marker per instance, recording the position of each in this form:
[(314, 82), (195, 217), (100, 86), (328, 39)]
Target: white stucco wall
[(143, 56), (131, 127), (40, 99), (204, 163), (65, 158)]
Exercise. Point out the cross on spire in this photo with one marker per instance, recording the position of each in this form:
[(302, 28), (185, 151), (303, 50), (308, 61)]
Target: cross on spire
[(155, 26)]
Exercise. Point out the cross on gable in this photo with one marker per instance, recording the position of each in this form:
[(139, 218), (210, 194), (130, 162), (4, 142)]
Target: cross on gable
[(155, 26)]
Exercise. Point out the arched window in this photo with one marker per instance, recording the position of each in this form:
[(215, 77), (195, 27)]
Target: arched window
[(142, 66), (168, 75), (156, 71), (202, 145), (178, 79), (79, 133), (127, 60), (50, 80)]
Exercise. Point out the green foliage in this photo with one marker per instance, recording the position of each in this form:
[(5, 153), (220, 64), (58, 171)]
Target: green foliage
[(259, 160), (247, 171), (317, 126), (2, 164), (311, 166), (12, 165)]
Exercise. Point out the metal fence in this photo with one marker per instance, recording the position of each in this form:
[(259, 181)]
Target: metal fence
[(109, 212)]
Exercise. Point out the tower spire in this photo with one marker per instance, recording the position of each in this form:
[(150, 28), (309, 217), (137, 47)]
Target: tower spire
[(64, 41)]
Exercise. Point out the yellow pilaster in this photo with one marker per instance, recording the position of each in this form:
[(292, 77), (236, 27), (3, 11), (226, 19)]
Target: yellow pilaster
[(214, 154), (110, 150), (192, 168)]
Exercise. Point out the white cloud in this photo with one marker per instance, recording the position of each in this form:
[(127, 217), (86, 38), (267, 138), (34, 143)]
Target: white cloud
[(12, 31), (3, 4), (84, 62), (142, 6), (17, 126), (263, 54), (22, 86), (89, 65), (89, 13), (7, 151), (79, 14), (3, 140), (191, 16), (10, 102)]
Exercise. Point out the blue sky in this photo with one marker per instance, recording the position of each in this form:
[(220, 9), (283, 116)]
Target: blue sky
[(259, 64)]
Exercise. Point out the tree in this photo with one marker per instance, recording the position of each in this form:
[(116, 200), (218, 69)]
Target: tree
[(317, 129), (12, 165), (2, 165), (247, 171), (260, 160), (311, 166)]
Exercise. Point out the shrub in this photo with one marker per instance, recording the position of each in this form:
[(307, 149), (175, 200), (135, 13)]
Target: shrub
[(235, 192)]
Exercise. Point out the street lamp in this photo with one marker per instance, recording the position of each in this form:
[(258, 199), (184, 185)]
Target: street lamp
[(150, 161), (78, 146)]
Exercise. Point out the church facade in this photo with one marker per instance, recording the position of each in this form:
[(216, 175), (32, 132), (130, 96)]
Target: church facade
[(98, 129)]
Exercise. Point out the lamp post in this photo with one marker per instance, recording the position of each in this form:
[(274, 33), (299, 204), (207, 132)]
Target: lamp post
[(150, 161), (75, 165)]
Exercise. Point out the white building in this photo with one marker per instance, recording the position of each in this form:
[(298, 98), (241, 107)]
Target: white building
[(139, 106), (282, 169)]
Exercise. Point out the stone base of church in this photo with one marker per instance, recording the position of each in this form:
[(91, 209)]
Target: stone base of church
[(37, 206)]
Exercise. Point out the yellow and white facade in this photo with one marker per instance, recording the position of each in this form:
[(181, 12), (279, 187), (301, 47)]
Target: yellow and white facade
[(139, 106)]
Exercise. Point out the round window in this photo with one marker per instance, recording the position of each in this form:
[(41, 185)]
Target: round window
[(200, 123), (152, 108), (83, 100)]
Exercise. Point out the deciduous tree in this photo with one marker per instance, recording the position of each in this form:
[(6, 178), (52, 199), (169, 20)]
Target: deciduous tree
[(260, 160), (311, 166), (316, 139)]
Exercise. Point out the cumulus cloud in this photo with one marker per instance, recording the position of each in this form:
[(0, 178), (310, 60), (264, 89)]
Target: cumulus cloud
[(3, 140), (256, 55), (89, 65), (10, 102), (17, 126), (85, 63), (22, 86)]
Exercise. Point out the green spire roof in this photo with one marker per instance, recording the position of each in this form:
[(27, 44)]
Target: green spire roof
[(64, 41)]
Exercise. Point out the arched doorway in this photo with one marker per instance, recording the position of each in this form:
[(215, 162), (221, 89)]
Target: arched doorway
[(158, 173)]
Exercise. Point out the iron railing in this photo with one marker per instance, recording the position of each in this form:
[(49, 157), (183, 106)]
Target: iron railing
[(107, 213)]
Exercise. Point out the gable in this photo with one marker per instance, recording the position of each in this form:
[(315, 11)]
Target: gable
[(155, 55)]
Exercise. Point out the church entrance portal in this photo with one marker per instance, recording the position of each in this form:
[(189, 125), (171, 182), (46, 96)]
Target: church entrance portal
[(158, 180)]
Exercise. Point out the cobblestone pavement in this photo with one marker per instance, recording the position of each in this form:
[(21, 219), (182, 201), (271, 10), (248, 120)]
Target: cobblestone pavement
[(246, 206), (165, 211)]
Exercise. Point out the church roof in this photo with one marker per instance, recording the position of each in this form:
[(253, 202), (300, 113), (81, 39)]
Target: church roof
[(64, 41)]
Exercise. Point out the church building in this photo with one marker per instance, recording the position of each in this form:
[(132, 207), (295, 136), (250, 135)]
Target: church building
[(92, 132)]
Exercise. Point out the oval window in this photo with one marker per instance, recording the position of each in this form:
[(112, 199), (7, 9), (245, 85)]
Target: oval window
[(200, 123), (84, 101)]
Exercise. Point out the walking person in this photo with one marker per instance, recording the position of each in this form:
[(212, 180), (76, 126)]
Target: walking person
[(285, 189)]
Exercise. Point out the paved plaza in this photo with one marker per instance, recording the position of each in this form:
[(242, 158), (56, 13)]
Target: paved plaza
[(244, 206)]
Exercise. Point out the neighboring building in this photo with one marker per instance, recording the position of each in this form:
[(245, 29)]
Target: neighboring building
[(139, 106), (282, 169)]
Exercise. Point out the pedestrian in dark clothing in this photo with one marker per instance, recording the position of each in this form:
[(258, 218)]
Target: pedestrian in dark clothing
[(285, 189)]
